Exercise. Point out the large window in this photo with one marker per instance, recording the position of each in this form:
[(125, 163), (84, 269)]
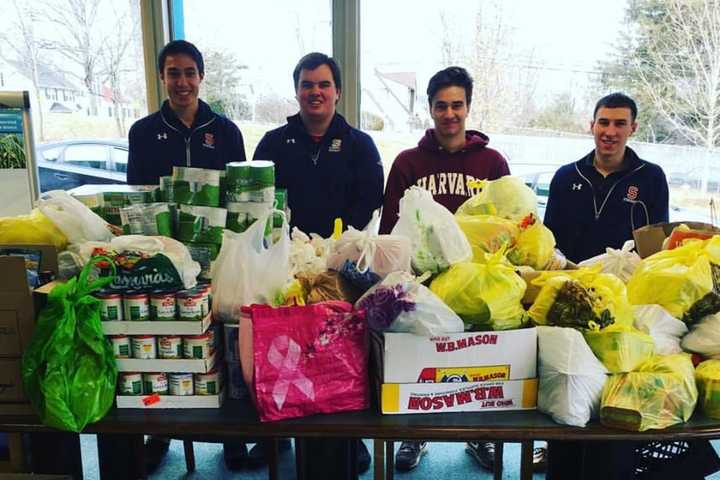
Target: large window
[(82, 62), (250, 50)]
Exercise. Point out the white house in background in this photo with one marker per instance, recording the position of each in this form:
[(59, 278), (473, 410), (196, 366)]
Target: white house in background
[(391, 92)]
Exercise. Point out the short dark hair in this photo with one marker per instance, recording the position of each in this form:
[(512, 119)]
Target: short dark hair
[(450, 77), (313, 60), (617, 100), (181, 47)]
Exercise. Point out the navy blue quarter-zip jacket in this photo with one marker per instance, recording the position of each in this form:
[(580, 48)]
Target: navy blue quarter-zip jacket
[(161, 141), (341, 176), (588, 212)]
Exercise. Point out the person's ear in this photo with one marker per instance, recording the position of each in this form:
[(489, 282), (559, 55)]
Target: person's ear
[(633, 127), (337, 95), (592, 125)]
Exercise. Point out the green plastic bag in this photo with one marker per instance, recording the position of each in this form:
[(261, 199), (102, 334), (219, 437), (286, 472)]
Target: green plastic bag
[(486, 296), (68, 370)]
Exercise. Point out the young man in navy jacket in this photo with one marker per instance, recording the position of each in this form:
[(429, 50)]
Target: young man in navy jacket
[(185, 132), (599, 200), (330, 169)]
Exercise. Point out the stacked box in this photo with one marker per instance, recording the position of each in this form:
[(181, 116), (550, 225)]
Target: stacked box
[(478, 371)]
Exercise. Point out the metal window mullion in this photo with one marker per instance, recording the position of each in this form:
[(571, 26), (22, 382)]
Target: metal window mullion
[(155, 18), (346, 50)]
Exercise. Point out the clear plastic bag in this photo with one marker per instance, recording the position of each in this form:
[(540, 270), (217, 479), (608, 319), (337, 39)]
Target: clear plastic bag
[(73, 218), (665, 330), (621, 263), (704, 337)]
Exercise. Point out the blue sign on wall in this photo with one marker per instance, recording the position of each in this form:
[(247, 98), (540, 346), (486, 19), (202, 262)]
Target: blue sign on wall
[(11, 121)]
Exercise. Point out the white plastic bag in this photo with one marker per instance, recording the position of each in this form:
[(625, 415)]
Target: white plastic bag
[(621, 263), (704, 337), (436, 238), (73, 218), (247, 271), (400, 303), (571, 377), (665, 330), (380, 254), (308, 254)]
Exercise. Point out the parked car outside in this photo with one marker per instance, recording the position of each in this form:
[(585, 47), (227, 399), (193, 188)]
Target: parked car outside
[(71, 163)]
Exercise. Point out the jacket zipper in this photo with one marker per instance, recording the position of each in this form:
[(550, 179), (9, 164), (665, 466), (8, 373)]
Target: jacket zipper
[(187, 140), (602, 207)]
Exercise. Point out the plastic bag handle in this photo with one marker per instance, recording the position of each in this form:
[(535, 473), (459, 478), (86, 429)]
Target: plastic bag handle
[(84, 287)]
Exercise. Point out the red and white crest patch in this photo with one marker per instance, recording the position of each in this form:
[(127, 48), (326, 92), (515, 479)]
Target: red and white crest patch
[(632, 192)]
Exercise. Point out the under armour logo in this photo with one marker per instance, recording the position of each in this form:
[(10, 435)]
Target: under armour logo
[(162, 136), (577, 186), (290, 140)]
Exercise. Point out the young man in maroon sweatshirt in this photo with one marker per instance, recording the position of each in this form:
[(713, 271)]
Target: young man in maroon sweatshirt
[(446, 158), (448, 155)]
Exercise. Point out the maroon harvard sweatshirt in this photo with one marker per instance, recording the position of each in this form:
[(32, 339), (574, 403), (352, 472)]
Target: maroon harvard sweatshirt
[(442, 173)]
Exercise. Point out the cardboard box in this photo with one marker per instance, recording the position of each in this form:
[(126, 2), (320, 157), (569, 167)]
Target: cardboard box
[(459, 397), (506, 355), (188, 365), (157, 327), (11, 389), (649, 239), (171, 401)]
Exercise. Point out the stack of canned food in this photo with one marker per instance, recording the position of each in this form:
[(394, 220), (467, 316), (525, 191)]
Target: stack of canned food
[(192, 304), (166, 347), (177, 384)]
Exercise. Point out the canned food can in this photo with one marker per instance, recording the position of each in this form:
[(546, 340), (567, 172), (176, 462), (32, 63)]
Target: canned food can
[(137, 306), (205, 292), (212, 337), (207, 383), (143, 347), (155, 383), (111, 309), (130, 383), (189, 305), (162, 306), (170, 346), (120, 345), (181, 383), (197, 346)]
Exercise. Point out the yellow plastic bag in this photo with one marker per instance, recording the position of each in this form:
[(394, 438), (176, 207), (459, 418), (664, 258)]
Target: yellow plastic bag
[(621, 348), (707, 375), (486, 296), (597, 299), (507, 197), (34, 228), (675, 279), (535, 247), (487, 233), (659, 394)]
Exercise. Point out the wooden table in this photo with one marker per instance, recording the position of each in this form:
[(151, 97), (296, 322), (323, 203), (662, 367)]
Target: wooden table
[(238, 418)]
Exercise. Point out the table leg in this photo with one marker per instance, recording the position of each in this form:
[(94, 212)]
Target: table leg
[(379, 459), (273, 467), (526, 460), (121, 456), (299, 459), (17, 453), (499, 452), (389, 459)]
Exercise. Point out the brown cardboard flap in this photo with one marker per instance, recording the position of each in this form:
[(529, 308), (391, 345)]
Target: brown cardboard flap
[(649, 239), (11, 389), (49, 260)]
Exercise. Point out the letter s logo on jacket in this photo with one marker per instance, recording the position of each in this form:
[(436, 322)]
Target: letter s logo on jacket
[(632, 192)]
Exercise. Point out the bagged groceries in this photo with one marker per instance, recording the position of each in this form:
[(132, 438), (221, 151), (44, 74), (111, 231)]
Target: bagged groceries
[(308, 254), (707, 375), (247, 271), (659, 394), (486, 296), (571, 378), (326, 286), (380, 254), (535, 245), (436, 239), (675, 279), (402, 304), (307, 360), (68, 369), (487, 233), (77, 222), (147, 219), (583, 298), (621, 263), (704, 337), (665, 330), (620, 348), (507, 197), (34, 228)]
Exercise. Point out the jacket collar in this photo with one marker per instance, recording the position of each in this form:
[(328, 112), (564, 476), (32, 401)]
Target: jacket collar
[(338, 125), (203, 115), (630, 161)]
